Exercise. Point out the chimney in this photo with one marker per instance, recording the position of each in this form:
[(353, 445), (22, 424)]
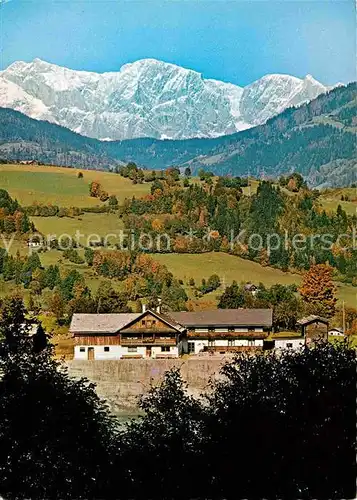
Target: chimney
[(143, 308), (158, 307)]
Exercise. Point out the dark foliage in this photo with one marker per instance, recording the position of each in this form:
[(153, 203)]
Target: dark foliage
[(55, 434), (274, 426)]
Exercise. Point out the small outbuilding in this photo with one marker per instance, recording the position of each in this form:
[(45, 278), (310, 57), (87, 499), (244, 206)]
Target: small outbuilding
[(314, 328), (251, 288), (336, 332)]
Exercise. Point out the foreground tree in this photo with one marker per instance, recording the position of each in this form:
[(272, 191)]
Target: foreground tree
[(275, 426), (160, 451), (297, 411), (55, 434)]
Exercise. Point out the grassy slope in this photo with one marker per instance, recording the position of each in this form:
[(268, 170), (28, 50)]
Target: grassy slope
[(88, 224), (230, 268), (61, 186), (331, 198)]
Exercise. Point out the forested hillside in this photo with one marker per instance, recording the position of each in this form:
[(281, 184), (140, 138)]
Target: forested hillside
[(22, 138), (316, 139), (218, 217)]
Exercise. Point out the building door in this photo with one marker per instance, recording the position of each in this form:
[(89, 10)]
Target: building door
[(148, 351), (90, 353)]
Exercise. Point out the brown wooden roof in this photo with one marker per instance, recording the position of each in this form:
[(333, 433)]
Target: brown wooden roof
[(101, 323), (312, 319), (225, 317), (114, 323)]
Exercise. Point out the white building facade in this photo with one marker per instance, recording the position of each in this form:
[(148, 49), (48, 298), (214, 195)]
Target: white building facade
[(152, 335)]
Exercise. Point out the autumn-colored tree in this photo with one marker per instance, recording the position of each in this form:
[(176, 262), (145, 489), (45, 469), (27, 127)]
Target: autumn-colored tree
[(180, 244), (263, 257), (178, 208), (134, 287), (292, 185), (103, 196), (56, 304), (157, 225), (346, 316), (95, 189), (18, 218), (224, 244), (318, 291), (352, 330), (202, 221)]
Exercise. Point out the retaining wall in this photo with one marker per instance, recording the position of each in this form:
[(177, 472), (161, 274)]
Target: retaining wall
[(121, 382)]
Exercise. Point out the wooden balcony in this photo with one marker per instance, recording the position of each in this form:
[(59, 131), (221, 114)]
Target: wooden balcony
[(147, 341), (227, 335), (240, 348)]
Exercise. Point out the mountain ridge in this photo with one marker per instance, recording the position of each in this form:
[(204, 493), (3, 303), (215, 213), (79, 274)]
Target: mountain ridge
[(316, 139), (148, 98)]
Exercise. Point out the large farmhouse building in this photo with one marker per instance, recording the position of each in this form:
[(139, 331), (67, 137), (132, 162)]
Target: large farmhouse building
[(225, 330), (134, 335), (151, 334)]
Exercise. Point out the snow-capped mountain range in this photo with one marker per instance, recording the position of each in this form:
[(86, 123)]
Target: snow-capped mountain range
[(147, 98)]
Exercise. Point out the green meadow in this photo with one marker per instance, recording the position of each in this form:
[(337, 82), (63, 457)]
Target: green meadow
[(231, 268), (87, 224), (61, 186), (331, 198)]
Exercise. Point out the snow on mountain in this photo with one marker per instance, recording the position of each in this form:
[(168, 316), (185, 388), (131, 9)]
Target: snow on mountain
[(147, 98), (13, 96), (271, 94)]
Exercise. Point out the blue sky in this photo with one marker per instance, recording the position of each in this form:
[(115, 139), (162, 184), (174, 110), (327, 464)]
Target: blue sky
[(235, 41)]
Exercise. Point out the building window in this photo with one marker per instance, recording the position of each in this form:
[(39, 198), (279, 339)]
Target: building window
[(106, 349), (289, 345), (153, 322), (191, 347), (165, 349), (143, 322), (82, 349), (132, 349)]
